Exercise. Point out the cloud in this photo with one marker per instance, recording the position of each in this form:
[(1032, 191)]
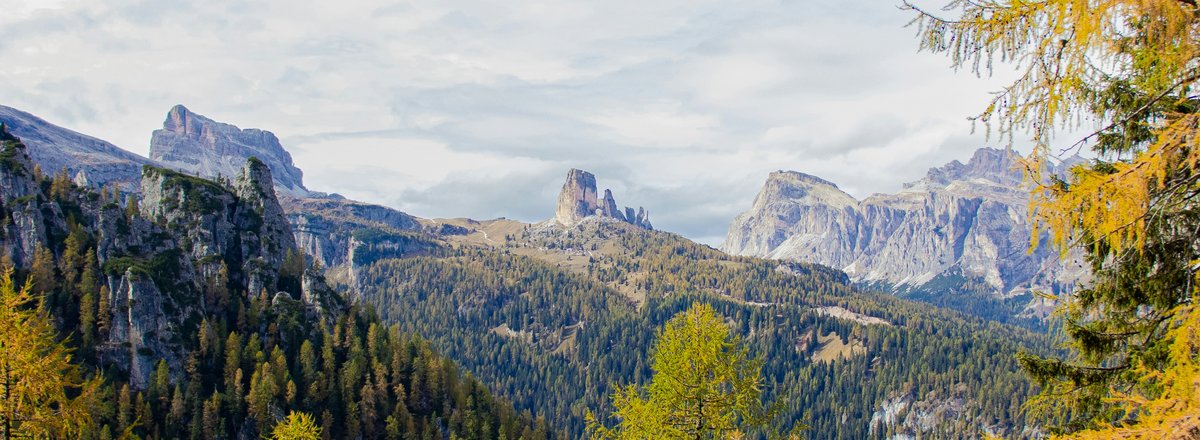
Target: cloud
[(473, 108)]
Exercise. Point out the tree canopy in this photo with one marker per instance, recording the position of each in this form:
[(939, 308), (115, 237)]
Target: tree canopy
[(297, 426), (42, 394), (1127, 68), (705, 385)]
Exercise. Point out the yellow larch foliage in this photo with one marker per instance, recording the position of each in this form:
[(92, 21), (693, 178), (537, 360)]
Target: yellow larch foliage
[(1175, 413), (297, 426), (1129, 69), (42, 394), (1070, 55)]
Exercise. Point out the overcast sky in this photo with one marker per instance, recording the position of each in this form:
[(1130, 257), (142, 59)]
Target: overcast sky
[(474, 108)]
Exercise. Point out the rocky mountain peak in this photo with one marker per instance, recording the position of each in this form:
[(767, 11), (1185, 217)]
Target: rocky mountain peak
[(992, 164), (962, 221), (256, 177), (797, 178), (797, 187), (193, 143), (242, 225), (578, 200)]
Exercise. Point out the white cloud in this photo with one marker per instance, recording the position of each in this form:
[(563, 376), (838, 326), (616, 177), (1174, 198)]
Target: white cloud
[(440, 107)]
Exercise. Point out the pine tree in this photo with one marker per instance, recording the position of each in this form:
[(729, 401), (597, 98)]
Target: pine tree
[(160, 384), (262, 395), (212, 414), (124, 409), (87, 319), (60, 186), (73, 258), (42, 394)]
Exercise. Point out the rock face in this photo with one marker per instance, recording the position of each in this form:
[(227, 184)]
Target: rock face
[(962, 221), (27, 209), (242, 227), (578, 200), (88, 160), (325, 227), (130, 249), (198, 145), (323, 224)]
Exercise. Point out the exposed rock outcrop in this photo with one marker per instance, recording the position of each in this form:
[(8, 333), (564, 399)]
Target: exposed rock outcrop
[(960, 221), (242, 226), (578, 200), (141, 333), (324, 226), (25, 231), (198, 145), (88, 160)]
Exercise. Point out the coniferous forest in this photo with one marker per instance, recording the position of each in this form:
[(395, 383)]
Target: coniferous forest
[(237, 362), (563, 328)]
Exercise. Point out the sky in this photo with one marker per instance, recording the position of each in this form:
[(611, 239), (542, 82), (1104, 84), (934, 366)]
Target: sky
[(469, 108)]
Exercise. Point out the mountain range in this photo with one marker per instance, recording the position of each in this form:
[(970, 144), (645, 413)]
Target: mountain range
[(191, 314), (551, 315), (963, 229)]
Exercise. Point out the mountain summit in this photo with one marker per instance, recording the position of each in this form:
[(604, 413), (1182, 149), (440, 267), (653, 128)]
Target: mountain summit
[(578, 200), (962, 224), (199, 145)]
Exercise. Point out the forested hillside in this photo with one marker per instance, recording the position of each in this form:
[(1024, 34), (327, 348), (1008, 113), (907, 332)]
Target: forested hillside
[(552, 318), (166, 303)]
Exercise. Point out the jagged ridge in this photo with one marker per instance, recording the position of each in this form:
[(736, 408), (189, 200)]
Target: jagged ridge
[(967, 219), (202, 146), (577, 201)]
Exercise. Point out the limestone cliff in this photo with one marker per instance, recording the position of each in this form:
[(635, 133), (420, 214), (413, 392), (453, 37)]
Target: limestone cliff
[(578, 200), (324, 226), (961, 221), (24, 204), (201, 146), (90, 161), (242, 226)]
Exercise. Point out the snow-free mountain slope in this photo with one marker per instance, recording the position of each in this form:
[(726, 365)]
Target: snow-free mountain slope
[(962, 220), (89, 161), (193, 143)]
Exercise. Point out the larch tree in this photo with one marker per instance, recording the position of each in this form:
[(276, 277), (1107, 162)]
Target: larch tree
[(42, 394), (297, 426), (1128, 69), (705, 385)]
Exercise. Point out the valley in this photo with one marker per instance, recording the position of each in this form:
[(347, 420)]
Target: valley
[(552, 315)]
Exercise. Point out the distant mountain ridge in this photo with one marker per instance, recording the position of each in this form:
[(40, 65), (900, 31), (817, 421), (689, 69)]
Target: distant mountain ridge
[(323, 224), (963, 221), (193, 143), (88, 161)]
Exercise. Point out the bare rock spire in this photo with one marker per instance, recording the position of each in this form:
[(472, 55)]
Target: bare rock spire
[(578, 200)]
